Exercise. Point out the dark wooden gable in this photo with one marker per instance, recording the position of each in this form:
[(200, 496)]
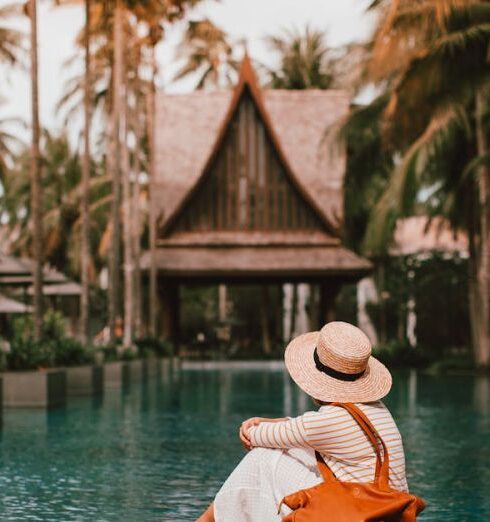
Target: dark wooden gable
[(246, 187)]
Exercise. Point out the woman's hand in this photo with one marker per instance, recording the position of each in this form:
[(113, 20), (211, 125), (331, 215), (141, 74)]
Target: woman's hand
[(244, 431), (249, 423)]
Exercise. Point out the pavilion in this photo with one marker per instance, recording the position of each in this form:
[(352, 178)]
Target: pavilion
[(59, 292), (248, 192)]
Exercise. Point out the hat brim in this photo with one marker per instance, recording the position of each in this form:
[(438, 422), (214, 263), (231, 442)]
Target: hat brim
[(373, 385)]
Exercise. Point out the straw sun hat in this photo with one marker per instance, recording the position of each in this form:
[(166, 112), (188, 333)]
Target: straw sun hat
[(335, 365)]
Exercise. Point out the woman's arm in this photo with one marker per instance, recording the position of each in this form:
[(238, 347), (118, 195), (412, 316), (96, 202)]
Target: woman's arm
[(282, 433), (249, 423)]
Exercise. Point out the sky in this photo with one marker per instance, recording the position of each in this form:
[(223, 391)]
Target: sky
[(344, 21)]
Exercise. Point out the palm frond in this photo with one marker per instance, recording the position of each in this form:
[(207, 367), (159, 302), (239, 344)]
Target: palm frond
[(406, 181)]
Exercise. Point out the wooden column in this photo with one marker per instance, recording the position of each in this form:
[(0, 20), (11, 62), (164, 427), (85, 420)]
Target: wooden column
[(222, 303), (328, 294), (264, 319), (170, 308)]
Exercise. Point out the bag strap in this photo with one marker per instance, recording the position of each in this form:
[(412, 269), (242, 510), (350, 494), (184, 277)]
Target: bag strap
[(381, 476), (324, 468)]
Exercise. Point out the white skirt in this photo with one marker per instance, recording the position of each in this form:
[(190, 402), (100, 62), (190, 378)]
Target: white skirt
[(255, 488)]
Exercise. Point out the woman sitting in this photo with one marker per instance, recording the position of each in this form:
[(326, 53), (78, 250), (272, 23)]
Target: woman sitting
[(333, 365)]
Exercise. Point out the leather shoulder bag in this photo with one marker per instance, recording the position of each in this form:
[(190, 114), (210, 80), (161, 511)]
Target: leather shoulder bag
[(337, 501)]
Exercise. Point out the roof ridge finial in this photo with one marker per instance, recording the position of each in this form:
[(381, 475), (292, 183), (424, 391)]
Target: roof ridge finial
[(243, 42), (247, 71)]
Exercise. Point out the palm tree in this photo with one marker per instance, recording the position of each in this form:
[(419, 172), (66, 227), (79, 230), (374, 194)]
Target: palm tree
[(370, 161), (36, 195), (208, 54), (126, 52), (155, 34), (152, 13), (153, 18), (128, 264), (100, 59), (61, 196), (112, 105), (85, 203), (114, 73), (431, 58), (138, 124), (8, 144), (114, 160), (305, 61)]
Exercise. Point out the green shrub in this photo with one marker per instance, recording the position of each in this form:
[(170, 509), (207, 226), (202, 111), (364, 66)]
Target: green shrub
[(29, 355), (151, 345), (455, 363), (110, 353), (398, 354), (128, 355), (438, 285), (54, 348), (26, 353), (254, 351), (53, 325), (70, 352)]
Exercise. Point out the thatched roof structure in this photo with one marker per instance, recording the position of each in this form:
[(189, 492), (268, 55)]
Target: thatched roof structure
[(66, 289), (421, 234), (18, 271), (13, 266), (246, 184), (287, 262), (189, 126), (11, 306)]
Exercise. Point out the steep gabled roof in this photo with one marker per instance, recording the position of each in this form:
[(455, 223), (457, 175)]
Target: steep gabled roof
[(190, 129)]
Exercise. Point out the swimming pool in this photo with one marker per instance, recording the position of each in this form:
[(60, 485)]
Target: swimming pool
[(160, 449)]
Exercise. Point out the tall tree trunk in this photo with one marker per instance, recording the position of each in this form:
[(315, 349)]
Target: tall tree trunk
[(473, 225), (136, 218), (481, 290), (35, 175), (114, 287), (127, 232), (85, 210), (152, 214)]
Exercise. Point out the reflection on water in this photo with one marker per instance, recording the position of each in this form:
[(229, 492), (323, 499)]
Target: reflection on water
[(161, 449)]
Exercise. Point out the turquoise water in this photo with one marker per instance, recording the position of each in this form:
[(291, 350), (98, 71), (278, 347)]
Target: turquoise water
[(161, 449)]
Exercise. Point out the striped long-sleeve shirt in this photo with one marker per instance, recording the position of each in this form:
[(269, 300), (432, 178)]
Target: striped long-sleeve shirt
[(345, 447)]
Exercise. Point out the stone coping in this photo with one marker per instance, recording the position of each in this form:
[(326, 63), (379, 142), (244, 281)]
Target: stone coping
[(84, 380), (50, 387), (34, 389), (233, 365)]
